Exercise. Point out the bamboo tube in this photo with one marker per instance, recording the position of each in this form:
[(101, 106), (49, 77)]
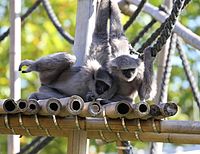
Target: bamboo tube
[(22, 105), (76, 105), (91, 109), (167, 110), (154, 111), (146, 137), (54, 105), (112, 136), (93, 124), (139, 110), (33, 107), (8, 106), (71, 106), (116, 109), (43, 107)]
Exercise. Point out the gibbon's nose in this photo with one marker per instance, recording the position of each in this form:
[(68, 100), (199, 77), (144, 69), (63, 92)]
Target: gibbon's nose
[(128, 72)]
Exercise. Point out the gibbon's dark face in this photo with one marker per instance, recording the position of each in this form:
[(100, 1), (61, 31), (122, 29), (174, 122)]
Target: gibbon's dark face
[(128, 73), (101, 87)]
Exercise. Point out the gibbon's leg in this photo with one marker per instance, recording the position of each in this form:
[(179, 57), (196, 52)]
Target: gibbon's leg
[(49, 67), (118, 41), (148, 86), (100, 49), (45, 93)]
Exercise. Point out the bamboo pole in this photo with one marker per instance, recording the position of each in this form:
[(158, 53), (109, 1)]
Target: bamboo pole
[(33, 107), (177, 138), (91, 109), (139, 110), (65, 106), (93, 124), (22, 105), (8, 106), (116, 109)]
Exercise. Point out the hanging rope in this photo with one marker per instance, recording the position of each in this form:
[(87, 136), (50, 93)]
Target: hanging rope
[(141, 33), (41, 144), (168, 27), (56, 22), (148, 26), (23, 17), (135, 14), (167, 69), (174, 14), (30, 145), (189, 73)]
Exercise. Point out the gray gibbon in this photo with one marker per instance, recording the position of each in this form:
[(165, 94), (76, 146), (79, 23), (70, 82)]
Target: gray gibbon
[(60, 78)]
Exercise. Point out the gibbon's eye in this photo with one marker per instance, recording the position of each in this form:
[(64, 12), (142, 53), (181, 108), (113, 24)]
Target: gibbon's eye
[(127, 72), (101, 87)]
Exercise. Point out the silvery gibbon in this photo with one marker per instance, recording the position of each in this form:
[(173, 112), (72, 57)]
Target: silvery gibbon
[(133, 74), (60, 78)]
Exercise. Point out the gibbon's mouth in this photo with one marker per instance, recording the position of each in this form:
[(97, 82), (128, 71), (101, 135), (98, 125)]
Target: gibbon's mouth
[(128, 72), (101, 87)]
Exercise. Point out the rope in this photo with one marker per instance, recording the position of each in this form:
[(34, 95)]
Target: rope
[(164, 26), (41, 145), (155, 34), (189, 73), (167, 69), (30, 145), (56, 22), (141, 33), (168, 27), (23, 17), (135, 14)]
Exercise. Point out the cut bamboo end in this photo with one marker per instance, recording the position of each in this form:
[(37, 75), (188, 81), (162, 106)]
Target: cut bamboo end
[(139, 110), (95, 109), (54, 106), (22, 105), (10, 106), (75, 105), (33, 107), (167, 110), (91, 109), (117, 109)]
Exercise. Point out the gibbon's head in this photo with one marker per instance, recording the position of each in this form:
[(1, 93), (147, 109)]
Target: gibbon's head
[(103, 81), (125, 67)]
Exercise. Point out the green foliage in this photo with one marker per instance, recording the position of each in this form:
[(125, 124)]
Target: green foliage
[(39, 38)]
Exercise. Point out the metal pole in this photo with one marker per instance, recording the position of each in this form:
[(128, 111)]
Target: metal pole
[(85, 22), (15, 58)]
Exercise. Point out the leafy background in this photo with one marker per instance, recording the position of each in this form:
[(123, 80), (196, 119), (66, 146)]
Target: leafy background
[(39, 38)]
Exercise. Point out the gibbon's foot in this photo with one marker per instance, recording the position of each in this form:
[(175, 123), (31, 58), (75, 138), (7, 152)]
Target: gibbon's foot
[(29, 64)]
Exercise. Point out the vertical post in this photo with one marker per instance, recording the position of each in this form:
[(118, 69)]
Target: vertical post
[(157, 147), (14, 59), (85, 22)]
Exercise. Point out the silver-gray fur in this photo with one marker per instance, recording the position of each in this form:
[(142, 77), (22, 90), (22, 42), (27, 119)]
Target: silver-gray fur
[(134, 75), (59, 78)]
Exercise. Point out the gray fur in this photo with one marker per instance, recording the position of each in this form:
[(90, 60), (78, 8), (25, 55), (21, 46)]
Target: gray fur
[(58, 76), (141, 80)]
